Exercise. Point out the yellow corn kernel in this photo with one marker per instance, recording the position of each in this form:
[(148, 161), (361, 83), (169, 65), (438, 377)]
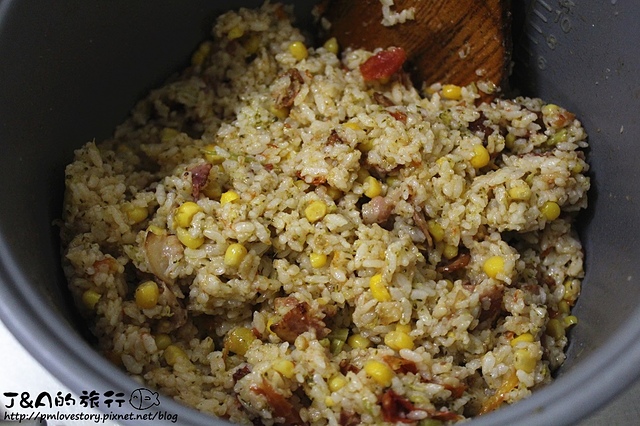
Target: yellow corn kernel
[(430, 422), (270, 321), (298, 50), (480, 156), (450, 251), (234, 33), (493, 266), (550, 210), (90, 298), (239, 339), (315, 211), (163, 341), (337, 339), (571, 289), (331, 45), (337, 382), (358, 341), (444, 162), (569, 320), (156, 230), (577, 168), (334, 193), (524, 361), (188, 240), (353, 126), (379, 288), (555, 329), (366, 145), (228, 197), (405, 328), (329, 402), (558, 137), (449, 284), (393, 181), (201, 53), (520, 192), (235, 254), (318, 260), (211, 155), (436, 230), (285, 367), (373, 188), (549, 109), (185, 213), (397, 340), (173, 354), (279, 112), (452, 91), (564, 307), (212, 189), (252, 43), (379, 371), (147, 295), (167, 134), (363, 175), (524, 337), (544, 371), (136, 214)]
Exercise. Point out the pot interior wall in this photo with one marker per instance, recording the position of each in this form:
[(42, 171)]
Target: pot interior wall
[(72, 71), (580, 56)]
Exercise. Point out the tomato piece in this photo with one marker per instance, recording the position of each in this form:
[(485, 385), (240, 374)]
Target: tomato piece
[(383, 64)]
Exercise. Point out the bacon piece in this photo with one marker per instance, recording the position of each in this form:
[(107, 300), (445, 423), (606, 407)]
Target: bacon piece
[(562, 119), (422, 224), (382, 100), (297, 320), (334, 138), (199, 178), (495, 401), (456, 391), (377, 210), (445, 416), (315, 180), (346, 367), (240, 373), (459, 262), (281, 406), (349, 418), (492, 305), (396, 408), (400, 365), (106, 265), (479, 126), (285, 98), (386, 102), (399, 115), (162, 251), (383, 64)]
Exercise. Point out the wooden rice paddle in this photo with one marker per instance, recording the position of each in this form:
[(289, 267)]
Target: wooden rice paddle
[(449, 41)]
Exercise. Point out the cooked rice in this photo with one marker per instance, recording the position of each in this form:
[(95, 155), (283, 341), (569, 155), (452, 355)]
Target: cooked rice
[(239, 119), (390, 18)]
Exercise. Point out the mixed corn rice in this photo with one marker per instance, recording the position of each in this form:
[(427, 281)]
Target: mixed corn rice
[(274, 238)]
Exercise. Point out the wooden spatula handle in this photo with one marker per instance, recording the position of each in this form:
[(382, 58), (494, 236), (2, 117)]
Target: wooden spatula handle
[(456, 42)]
